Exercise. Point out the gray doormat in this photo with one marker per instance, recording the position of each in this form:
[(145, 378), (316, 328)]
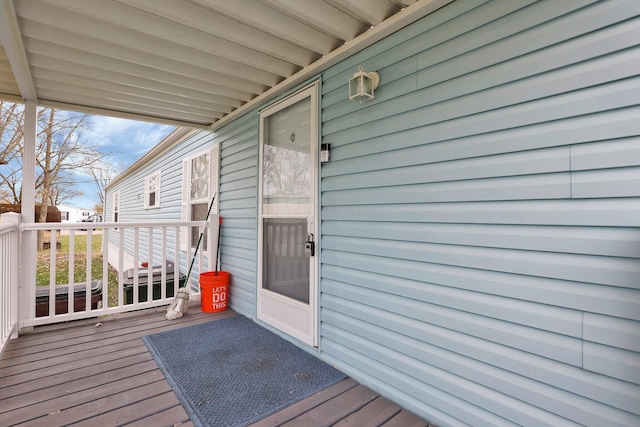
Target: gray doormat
[(232, 372)]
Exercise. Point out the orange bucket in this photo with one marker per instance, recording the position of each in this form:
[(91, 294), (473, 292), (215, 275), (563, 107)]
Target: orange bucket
[(214, 291)]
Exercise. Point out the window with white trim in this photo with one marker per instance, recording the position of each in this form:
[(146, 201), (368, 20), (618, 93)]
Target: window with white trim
[(116, 205), (199, 184), (152, 191)]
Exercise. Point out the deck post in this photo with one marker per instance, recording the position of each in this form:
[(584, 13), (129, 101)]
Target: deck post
[(12, 218), (28, 251)]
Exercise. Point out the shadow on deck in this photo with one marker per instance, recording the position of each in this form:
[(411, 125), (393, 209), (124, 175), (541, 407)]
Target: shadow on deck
[(82, 374)]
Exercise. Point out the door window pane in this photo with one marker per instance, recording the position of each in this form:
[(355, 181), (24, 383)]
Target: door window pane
[(286, 161)]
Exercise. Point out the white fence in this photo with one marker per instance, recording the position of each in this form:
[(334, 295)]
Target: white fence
[(152, 265), (9, 249)]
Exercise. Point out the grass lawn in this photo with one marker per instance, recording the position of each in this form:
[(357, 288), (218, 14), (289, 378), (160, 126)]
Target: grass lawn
[(80, 264)]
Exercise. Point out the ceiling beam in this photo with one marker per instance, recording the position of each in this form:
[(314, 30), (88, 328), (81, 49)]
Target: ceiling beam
[(155, 78), (11, 41), (180, 61), (128, 20), (409, 15), (67, 21), (116, 112), (271, 21), (208, 22), (323, 16), (56, 78)]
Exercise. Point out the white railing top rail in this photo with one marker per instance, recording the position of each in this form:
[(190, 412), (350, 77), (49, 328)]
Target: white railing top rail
[(99, 225), (8, 228)]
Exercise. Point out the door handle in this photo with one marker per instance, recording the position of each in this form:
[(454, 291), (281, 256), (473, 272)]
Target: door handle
[(310, 246)]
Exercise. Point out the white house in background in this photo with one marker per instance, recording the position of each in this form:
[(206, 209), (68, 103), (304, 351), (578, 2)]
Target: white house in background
[(470, 249), (73, 214)]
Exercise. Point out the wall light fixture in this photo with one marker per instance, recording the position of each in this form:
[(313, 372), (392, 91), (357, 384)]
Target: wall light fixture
[(362, 85)]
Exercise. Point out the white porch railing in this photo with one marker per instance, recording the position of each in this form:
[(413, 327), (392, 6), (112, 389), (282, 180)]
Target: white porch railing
[(9, 244), (150, 262)]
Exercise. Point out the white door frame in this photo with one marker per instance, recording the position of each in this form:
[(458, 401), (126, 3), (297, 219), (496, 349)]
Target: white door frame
[(292, 317)]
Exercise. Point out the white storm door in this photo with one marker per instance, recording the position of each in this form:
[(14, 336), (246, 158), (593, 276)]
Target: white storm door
[(287, 289)]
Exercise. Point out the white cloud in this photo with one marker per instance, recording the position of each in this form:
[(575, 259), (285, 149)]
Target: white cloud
[(124, 141)]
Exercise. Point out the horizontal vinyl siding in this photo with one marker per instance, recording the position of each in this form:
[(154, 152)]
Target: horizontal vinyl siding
[(238, 208), (480, 246), (132, 193)]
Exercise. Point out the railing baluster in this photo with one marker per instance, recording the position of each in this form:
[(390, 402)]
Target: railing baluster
[(89, 275), (163, 261), (121, 264), (151, 263), (105, 268), (176, 257), (136, 262), (52, 274), (72, 273)]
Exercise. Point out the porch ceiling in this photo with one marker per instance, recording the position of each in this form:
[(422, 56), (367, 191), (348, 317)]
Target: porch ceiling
[(194, 63)]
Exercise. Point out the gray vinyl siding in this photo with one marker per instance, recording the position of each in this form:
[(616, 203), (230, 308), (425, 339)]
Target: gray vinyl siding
[(480, 244), (132, 193)]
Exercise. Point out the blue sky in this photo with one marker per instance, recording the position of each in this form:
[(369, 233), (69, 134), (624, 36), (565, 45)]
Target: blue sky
[(126, 140)]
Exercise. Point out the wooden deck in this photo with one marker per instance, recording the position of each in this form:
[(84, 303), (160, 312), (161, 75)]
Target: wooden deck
[(83, 374)]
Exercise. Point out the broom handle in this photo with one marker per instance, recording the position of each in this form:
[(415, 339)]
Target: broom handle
[(193, 260), (218, 248)]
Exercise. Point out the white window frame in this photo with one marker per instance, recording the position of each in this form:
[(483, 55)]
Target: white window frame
[(214, 170), (116, 206), (148, 190)]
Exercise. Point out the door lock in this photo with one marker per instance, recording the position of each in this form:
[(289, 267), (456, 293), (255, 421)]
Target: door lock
[(309, 246)]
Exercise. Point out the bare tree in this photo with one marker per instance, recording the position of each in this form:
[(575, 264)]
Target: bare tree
[(61, 155), (10, 131), (11, 116), (61, 152), (101, 173)]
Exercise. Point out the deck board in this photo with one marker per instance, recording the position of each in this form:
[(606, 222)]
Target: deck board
[(82, 374)]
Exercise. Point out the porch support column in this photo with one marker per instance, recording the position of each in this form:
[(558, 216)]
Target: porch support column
[(28, 247)]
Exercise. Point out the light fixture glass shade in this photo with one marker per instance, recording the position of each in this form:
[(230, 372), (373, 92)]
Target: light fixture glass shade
[(362, 85)]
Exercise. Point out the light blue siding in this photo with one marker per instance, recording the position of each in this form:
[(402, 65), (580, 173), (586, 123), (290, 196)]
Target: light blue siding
[(480, 226), (480, 246), (239, 209)]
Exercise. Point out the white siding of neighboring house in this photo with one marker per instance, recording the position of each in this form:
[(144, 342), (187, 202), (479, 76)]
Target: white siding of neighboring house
[(479, 243), (74, 213)]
